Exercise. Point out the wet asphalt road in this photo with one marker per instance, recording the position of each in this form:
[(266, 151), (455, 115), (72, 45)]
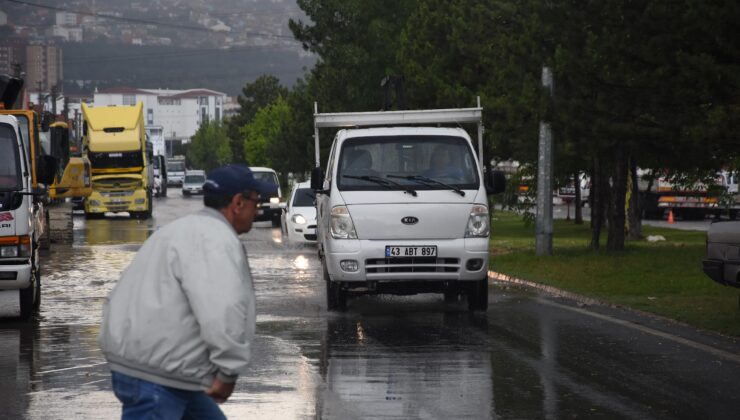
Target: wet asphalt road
[(529, 356)]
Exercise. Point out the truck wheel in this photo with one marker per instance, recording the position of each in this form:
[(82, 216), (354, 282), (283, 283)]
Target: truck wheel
[(29, 294), (478, 295), (336, 298), (45, 239), (36, 272), (276, 220)]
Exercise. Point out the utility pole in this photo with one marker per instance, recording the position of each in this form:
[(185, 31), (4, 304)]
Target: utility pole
[(543, 223)]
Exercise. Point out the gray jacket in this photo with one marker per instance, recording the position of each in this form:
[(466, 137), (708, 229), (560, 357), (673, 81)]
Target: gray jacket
[(183, 312)]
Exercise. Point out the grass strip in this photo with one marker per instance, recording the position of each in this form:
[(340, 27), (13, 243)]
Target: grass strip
[(664, 277)]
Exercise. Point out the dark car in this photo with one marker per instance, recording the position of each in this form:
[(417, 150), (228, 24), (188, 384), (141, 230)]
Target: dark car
[(722, 263)]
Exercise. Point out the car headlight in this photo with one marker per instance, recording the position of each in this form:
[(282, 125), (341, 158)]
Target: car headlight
[(478, 222), (342, 226), (298, 219), (274, 200)]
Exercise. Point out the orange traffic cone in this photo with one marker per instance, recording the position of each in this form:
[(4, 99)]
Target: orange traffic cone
[(670, 217)]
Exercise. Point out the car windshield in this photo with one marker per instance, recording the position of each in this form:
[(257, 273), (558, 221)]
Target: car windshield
[(195, 179), (400, 162), (304, 197), (10, 174), (266, 177)]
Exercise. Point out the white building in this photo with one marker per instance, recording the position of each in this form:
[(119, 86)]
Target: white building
[(179, 112)]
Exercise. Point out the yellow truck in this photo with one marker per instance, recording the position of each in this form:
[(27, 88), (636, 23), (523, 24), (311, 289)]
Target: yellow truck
[(114, 140)]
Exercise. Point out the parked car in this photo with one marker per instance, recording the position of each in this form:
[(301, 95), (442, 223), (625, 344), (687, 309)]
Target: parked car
[(193, 182), (722, 263), (299, 217)]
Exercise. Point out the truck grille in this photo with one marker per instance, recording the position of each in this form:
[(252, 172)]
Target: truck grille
[(412, 265)]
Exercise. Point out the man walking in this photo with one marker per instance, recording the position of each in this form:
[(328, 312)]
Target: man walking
[(177, 327)]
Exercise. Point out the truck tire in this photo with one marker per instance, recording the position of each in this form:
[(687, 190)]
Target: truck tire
[(28, 296), (276, 222), (336, 298), (478, 295), (45, 239)]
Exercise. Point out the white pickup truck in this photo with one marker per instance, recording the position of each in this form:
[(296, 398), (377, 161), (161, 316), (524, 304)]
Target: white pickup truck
[(21, 221), (404, 210)]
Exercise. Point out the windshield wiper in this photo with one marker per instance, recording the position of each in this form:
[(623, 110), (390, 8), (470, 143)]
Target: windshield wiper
[(425, 180), (384, 182)]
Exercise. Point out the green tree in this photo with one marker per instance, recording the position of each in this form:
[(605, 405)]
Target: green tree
[(356, 42), (260, 134), (209, 148), (264, 91)]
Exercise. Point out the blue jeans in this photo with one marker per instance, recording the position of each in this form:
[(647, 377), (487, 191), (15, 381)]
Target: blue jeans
[(146, 400)]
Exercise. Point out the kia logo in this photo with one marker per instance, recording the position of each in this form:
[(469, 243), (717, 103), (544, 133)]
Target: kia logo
[(410, 220)]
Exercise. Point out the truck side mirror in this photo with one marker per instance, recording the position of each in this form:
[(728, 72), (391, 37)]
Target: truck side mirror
[(317, 179), (47, 169), (495, 182)]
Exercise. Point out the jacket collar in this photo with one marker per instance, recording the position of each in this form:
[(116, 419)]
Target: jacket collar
[(211, 212)]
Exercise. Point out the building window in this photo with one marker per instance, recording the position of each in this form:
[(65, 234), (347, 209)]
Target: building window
[(202, 100), (167, 101), (129, 99), (150, 116), (218, 114), (203, 115)]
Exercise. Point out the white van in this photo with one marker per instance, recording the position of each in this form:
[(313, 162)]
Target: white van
[(403, 210)]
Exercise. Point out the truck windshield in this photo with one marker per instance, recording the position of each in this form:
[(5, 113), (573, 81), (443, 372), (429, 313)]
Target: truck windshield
[(448, 160), (176, 166), (116, 160), (10, 174), (195, 179), (266, 177)]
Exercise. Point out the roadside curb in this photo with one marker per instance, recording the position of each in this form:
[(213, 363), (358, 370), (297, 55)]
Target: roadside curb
[(550, 290)]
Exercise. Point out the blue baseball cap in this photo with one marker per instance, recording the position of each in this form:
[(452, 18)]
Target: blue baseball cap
[(233, 179)]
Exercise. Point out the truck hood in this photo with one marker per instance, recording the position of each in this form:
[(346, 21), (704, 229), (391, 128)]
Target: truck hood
[(441, 214)]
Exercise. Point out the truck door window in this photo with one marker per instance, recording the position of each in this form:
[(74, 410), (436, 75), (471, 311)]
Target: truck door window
[(10, 174)]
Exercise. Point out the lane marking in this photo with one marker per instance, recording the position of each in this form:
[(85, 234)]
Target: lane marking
[(686, 342), (629, 324), (70, 368)]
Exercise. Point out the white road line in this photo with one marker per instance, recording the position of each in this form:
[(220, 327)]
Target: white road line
[(686, 342), (693, 344), (70, 368)]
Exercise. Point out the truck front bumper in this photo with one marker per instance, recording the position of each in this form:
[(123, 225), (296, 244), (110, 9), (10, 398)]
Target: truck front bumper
[(464, 259), (15, 275)]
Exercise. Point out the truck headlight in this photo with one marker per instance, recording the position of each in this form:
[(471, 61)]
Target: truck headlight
[(342, 226), (94, 203), (140, 201), (15, 247), (299, 219), (478, 222), (9, 251), (274, 200)]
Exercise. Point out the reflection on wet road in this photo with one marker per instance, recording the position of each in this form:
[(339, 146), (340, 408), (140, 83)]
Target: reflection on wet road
[(387, 357)]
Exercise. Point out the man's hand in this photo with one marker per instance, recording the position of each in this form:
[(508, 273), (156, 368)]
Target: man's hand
[(220, 391)]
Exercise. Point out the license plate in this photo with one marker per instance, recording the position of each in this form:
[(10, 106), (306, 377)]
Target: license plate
[(410, 251)]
